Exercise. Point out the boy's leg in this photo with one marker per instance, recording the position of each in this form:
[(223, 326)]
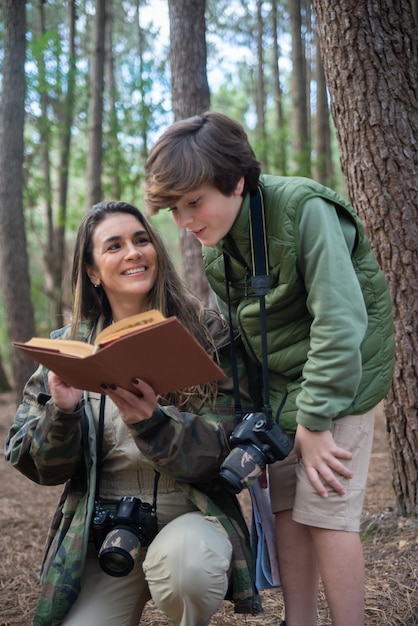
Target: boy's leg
[(298, 570), (187, 568), (341, 564), (296, 553), (334, 522)]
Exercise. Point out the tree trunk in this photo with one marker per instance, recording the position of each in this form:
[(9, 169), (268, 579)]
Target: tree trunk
[(45, 143), (371, 64), (301, 143), (190, 96), (145, 113), (260, 95), (415, 11), (13, 253), (4, 383), (63, 299), (113, 150), (280, 155), (95, 114), (323, 162)]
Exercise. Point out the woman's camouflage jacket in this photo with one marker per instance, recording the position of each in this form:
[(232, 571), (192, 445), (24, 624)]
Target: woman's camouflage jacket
[(53, 447)]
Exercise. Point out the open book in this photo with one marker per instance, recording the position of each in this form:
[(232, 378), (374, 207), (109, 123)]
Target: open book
[(148, 346)]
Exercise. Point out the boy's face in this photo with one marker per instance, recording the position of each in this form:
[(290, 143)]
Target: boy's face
[(207, 213)]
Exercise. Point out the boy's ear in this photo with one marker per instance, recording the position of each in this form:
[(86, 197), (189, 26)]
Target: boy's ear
[(240, 187)]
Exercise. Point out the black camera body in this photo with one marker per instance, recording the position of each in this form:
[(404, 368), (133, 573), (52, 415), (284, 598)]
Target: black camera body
[(256, 441), (119, 535)]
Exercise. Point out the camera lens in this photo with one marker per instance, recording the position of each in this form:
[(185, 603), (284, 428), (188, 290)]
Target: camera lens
[(119, 551), (231, 481), (242, 467)]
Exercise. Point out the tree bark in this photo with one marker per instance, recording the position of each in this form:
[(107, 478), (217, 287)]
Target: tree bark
[(190, 96), (260, 94), (323, 161), (95, 114), (45, 144), (62, 300), (13, 253), (280, 156), (301, 142), (370, 58)]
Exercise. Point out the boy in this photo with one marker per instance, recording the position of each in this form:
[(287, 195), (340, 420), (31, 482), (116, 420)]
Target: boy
[(330, 342)]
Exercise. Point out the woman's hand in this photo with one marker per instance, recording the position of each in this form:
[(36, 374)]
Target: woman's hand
[(65, 397), (136, 406), (321, 458)]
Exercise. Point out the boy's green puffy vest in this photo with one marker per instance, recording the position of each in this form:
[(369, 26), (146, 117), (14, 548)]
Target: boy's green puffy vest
[(288, 320)]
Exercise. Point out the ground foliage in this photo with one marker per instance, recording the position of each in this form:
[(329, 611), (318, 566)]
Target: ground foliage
[(390, 547)]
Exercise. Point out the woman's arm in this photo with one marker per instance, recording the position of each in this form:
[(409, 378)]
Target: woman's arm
[(190, 446), (44, 442)]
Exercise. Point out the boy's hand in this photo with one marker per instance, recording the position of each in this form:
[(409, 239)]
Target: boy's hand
[(321, 458)]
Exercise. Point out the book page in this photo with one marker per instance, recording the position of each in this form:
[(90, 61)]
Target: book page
[(164, 354), (70, 346), (128, 325)]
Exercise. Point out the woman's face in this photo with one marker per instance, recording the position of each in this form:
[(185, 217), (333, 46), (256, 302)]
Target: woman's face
[(125, 263)]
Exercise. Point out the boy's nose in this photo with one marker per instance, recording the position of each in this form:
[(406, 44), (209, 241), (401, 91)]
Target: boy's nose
[(183, 218)]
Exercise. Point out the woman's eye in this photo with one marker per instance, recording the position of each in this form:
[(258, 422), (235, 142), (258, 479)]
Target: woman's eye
[(142, 241)]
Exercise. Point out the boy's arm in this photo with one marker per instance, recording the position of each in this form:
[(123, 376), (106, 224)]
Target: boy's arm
[(333, 370)]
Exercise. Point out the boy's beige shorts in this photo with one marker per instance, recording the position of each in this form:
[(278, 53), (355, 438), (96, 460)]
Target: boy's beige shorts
[(290, 487)]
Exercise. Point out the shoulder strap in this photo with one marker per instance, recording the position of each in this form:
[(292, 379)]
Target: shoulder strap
[(99, 443), (261, 282)]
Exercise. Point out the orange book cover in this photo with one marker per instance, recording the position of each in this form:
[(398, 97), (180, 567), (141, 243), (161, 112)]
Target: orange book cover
[(148, 346)]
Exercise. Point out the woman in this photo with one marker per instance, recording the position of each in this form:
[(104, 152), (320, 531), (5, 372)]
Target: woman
[(115, 449)]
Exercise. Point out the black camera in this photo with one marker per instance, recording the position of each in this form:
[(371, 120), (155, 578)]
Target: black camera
[(256, 441), (119, 535)]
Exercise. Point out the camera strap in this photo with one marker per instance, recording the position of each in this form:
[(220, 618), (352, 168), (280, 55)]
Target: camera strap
[(99, 444), (261, 283)]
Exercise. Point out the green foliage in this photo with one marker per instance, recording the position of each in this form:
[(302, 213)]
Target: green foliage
[(165, 225), (141, 110)]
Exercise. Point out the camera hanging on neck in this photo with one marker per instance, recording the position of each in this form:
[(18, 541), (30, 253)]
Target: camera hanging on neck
[(257, 439)]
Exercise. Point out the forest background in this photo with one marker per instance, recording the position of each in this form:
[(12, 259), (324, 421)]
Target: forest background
[(324, 90)]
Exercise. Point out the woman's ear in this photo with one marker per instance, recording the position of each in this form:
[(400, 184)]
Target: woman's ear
[(93, 275)]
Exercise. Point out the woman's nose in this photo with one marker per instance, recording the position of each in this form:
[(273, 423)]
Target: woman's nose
[(133, 251)]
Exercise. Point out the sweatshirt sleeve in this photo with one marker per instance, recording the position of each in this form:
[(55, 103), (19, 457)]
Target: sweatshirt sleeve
[(332, 372), (190, 446), (44, 442)]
